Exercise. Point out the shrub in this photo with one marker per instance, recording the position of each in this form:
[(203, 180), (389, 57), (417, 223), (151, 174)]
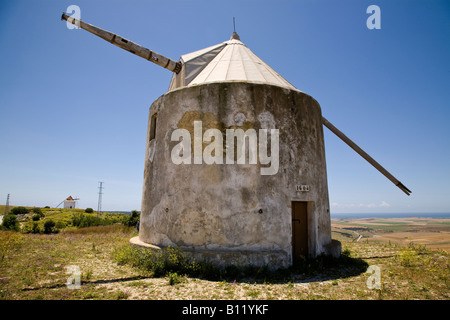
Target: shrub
[(406, 257), (119, 295), (163, 262), (10, 222), (49, 226), (174, 278), (37, 211), (60, 225), (89, 210), (19, 210), (36, 217), (35, 228), (133, 219), (82, 220)]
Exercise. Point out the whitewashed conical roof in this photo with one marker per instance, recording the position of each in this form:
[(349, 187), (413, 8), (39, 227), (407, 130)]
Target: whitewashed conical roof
[(228, 61)]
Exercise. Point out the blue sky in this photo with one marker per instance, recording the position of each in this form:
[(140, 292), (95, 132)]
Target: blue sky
[(74, 108)]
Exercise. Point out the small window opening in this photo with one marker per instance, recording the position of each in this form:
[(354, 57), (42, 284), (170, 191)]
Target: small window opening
[(153, 127)]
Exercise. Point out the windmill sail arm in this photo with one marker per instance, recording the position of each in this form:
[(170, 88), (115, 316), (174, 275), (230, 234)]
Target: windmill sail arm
[(59, 204), (126, 44), (363, 154)]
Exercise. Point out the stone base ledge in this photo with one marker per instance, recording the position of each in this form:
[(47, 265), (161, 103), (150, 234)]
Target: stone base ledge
[(137, 242), (222, 257)]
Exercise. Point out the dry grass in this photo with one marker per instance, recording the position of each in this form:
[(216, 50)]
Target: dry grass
[(34, 267)]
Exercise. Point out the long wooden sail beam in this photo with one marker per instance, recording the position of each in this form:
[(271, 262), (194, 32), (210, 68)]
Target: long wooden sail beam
[(126, 44), (363, 154)]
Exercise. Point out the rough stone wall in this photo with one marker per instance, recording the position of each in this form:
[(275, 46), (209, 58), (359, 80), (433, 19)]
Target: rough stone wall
[(215, 210)]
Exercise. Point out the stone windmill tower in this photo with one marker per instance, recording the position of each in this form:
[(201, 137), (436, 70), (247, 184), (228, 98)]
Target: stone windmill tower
[(235, 166)]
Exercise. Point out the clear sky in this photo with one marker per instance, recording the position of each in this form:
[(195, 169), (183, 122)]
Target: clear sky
[(74, 108)]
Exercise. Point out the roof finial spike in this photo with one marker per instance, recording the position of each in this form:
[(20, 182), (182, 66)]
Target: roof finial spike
[(234, 35)]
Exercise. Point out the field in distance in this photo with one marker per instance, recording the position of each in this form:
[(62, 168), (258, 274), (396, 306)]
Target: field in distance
[(434, 233)]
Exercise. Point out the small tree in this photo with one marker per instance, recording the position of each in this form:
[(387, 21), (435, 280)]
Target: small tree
[(48, 226), (89, 210), (10, 222)]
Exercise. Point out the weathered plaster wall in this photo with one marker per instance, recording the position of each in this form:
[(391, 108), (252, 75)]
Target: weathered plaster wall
[(215, 209)]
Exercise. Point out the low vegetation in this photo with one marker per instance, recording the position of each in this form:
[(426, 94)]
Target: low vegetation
[(38, 266), (51, 220)]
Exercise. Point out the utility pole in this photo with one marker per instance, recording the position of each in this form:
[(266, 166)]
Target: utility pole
[(7, 206), (100, 193)]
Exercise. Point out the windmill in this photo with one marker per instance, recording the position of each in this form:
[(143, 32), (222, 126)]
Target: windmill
[(203, 194), (69, 202)]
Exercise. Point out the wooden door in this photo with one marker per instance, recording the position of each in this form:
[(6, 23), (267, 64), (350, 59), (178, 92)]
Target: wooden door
[(299, 229)]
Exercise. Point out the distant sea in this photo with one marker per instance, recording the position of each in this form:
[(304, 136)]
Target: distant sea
[(388, 215), (126, 212)]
